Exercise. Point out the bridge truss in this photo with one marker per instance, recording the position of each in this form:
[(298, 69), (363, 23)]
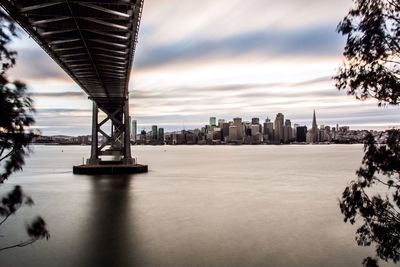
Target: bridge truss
[(94, 43)]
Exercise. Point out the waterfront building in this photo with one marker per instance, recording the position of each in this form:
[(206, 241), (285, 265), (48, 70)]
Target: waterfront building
[(233, 133), (133, 124), (143, 138), (279, 127), (287, 131), (217, 134), (239, 128), (301, 134), (268, 131), (294, 131), (314, 132), (161, 135), (225, 130), (154, 133), (255, 121), (254, 129)]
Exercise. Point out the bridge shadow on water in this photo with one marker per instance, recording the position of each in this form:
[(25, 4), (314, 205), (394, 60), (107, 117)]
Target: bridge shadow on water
[(107, 236)]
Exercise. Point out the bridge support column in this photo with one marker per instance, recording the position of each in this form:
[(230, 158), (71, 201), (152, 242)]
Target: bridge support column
[(116, 144), (94, 155), (127, 135)]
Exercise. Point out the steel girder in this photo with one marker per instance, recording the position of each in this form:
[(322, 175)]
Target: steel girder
[(92, 40), (117, 143)]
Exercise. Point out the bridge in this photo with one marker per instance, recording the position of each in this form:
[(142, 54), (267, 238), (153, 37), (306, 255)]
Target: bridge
[(94, 42)]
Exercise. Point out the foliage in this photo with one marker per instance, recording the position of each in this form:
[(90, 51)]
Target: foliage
[(9, 206), (16, 109), (16, 115), (7, 31), (379, 214), (371, 70), (372, 51)]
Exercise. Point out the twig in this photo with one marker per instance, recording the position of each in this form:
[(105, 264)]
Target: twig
[(20, 245)]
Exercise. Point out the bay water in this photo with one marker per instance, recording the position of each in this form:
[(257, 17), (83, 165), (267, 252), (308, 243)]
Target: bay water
[(197, 206)]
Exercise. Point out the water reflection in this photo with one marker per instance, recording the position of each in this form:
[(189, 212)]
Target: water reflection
[(108, 233)]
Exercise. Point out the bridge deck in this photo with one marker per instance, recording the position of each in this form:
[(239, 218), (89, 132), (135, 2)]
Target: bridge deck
[(93, 41)]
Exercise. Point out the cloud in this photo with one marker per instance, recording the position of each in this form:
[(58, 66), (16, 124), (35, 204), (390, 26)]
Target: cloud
[(68, 94), (316, 41), (222, 58), (244, 91), (34, 64)]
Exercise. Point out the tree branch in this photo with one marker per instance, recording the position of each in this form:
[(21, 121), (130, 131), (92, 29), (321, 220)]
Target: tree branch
[(382, 182), (20, 245), (7, 155), (2, 150), (5, 219)]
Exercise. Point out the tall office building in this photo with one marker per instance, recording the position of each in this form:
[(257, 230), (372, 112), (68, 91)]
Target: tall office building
[(161, 135), (314, 132), (268, 130), (225, 130), (255, 121), (301, 134), (294, 130), (213, 121), (240, 128), (220, 122), (133, 129), (279, 127), (233, 133), (254, 129), (154, 132), (143, 135), (287, 131)]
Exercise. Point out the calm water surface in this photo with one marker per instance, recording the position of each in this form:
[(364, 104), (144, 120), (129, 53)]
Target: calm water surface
[(197, 206)]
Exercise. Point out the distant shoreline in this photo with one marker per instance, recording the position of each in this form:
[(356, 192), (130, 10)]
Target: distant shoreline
[(292, 144)]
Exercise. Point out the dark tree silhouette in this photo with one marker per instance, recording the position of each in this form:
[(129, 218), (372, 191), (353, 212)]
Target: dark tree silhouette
[(7, 31), (16, 109), (372, 51), (371, 69), (16, 116), (10, 204)]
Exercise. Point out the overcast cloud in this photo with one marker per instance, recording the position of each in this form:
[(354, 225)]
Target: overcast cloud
[(224, 58)]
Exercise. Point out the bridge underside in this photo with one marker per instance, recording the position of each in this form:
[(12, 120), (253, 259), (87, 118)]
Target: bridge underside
[(94, 43)]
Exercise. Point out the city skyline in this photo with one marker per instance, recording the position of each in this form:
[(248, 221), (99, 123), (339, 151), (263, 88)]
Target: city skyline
[(208, 65), (237, 131), (308, 122)]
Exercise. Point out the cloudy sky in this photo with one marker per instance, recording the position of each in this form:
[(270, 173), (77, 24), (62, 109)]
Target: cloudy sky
[(223, 58)]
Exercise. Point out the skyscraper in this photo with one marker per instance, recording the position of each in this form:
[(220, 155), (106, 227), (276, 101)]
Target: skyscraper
[(240, 129), (225, 130), (213, 121), (287, 131), (301, 134), (294, 130), (161, 135), (279, 127), (154, 133), (255, 121), (133, 130), (314, 134), (268, 131), (233, 133)]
